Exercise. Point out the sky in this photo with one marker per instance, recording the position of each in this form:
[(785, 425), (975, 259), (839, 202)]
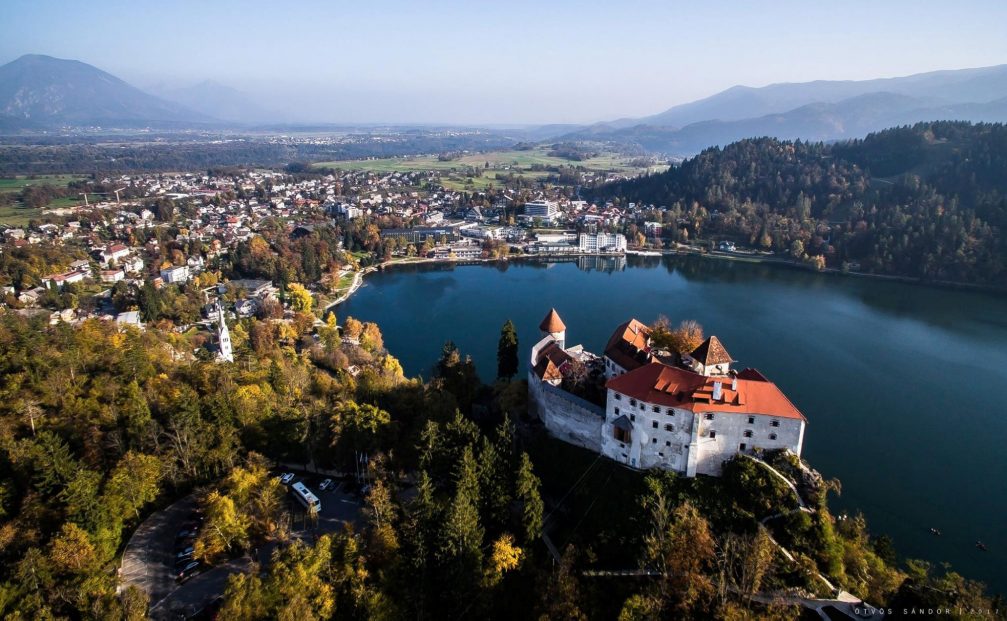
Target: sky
[(513, 62)]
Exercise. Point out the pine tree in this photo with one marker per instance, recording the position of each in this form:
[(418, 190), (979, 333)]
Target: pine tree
[(507, 352), (527, 492), (460, 551)]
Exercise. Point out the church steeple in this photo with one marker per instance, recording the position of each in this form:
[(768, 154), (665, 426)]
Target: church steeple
[(223, 337)]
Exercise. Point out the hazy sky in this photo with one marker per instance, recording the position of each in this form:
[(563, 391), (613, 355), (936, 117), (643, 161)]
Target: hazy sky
[(513, 61)]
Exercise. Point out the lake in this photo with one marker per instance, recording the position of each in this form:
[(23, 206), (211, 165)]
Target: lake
[(903, 385)]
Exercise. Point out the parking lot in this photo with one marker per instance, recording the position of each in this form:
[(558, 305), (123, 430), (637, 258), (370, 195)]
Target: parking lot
[(149, 560)]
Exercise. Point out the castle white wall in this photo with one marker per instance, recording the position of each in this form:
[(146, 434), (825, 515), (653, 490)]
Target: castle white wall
[(565, 416), (730, 431), (653, 444), (688, 447)]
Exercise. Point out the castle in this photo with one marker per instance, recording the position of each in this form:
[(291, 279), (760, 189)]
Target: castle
[(688, 413)]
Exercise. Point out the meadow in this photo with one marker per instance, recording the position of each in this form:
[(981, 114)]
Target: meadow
[(477, 171), (16, 214)]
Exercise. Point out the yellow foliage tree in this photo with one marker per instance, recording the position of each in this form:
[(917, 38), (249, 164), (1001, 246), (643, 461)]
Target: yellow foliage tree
[(506, 556), (300, 298)]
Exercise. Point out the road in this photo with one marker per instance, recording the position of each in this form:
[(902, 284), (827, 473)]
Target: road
[(148, 558)]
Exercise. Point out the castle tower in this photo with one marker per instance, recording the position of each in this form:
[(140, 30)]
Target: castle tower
[(554, 327), (223, 337)]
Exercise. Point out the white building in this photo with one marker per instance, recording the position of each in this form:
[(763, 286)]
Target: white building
[(178, 274), (602, 242), (659, 415), (223, 337), (542, 209)]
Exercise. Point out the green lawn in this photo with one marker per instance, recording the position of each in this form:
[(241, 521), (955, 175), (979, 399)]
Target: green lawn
[(17, 214), (14, 184)]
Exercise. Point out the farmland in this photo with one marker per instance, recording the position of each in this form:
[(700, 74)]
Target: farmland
[(12, 212), (478, 171)]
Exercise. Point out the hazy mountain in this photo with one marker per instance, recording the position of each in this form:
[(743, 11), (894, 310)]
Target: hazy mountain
[(851, 118), (221, 102), (820, 110), (41, 91), (742, 102)]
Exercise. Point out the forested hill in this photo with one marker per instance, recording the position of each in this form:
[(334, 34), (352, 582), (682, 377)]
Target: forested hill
[(927, 201)]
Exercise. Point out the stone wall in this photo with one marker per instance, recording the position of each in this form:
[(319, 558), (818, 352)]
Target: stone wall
[(566, 416)]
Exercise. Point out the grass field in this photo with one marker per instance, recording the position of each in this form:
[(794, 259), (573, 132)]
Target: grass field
[(479, 170), (17, 214)]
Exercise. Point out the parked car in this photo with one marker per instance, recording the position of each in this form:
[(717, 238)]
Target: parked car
[(326, 485), (184, 554), (287, 478), (187, 571)]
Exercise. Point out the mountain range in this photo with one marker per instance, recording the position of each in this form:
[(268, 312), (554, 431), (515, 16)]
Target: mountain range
[(41, 92), (821, 110), (219, 101)]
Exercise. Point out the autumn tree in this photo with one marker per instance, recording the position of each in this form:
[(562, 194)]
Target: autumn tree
[(300, 298)]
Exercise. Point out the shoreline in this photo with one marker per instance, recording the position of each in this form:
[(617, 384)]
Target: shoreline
[(359, 275)]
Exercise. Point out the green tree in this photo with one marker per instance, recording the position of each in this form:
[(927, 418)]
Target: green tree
[(507, 351), (528, 495), (133, 483)]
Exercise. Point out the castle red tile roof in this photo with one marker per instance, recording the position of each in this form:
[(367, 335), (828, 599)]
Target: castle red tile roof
[(552, 323), (628, 345), (711, 351), (668, 386)]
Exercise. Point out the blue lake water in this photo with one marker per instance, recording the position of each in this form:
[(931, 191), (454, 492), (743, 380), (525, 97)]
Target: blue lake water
[(903, 385)]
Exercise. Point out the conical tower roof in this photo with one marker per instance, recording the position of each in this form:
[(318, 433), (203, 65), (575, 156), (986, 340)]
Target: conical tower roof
[(552, 323)]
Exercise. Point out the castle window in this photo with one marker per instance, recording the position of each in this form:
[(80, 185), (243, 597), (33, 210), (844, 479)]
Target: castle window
[(709, 416), (660, 454), (667, 442), (669, 427), (751, 420), (632, 417), (618, 397), (775, 423), (748, 434), (632, 402), (621, 435), (657, 409), (743, 446), (616, 411), (654, 424), (772, 436), (713, 434), (671, 412), (653, 440)]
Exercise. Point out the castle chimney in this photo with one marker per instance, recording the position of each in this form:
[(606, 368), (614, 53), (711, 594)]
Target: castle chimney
[(734, 383)]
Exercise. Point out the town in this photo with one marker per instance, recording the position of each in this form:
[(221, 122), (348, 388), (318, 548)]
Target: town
[(133, 236)]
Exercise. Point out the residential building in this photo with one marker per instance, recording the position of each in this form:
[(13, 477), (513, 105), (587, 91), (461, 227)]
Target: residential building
[(179, 274)]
